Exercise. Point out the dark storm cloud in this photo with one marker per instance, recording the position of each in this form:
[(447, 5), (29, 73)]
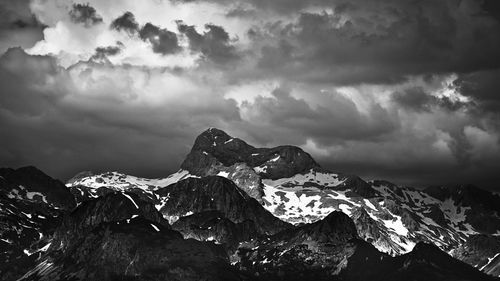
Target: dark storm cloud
[(85, 14), (102, 53), (163, 41), (483, 86), (18, 26), (141, 119), (21, 97), (240, 12), (492, 8), (214, 43), (47, 121), (376, 41), (417, 99), (280, 6), (125, 22), (335, 120)]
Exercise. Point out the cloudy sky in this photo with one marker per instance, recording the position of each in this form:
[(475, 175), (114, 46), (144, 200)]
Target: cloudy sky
[(404, 90)]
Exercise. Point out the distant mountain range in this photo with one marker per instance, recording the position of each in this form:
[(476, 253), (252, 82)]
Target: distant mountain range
[(237, 212)]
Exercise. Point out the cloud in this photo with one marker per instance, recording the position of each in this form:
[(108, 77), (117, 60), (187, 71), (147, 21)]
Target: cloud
[(125, 22), (18, 26), (102, 53), (162, 40), (89, 116), (417, 99), (492, 8), (403, 90), (85, 14), (483, 87), (334, 120), (214, 43), (386, 43)]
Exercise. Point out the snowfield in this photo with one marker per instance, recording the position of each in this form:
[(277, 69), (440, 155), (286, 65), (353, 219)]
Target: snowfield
[(309, 197)]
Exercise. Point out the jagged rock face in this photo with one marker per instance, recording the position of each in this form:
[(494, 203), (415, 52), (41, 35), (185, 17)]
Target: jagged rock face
[(319, 250), (374, 232), (25, 229), (213, 193), (121, 237), (425, 263), (477, 203), (31, 205), (336, 228), (214, 149), (481, 251), (34, 184), (214, 226), (358, 186), (135, 250), (330, 250), (108, 208), (428, 262), (493, 266), (244, 177), (85, 193)]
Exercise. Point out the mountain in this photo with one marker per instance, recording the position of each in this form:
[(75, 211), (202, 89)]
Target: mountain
[(244, 213), (482, 251), (31, 206), (216, 153), (214, 193), (330, 249), (293, 187), (215, 148), (121, 237)]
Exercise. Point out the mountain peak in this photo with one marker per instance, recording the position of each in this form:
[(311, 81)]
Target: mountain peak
[(33, 180), (214, 149), (214, 134)]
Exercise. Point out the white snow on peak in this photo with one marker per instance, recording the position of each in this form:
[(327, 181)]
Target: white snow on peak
[(223, 174), (121, 182)]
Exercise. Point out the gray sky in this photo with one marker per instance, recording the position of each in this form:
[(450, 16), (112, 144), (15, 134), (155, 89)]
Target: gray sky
[(401, 90)]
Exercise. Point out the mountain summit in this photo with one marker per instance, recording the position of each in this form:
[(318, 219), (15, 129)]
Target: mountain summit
[(256, 213), (214, 149)]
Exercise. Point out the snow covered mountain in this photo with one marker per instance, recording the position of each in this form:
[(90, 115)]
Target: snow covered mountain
[(293, 187), (255, 213)]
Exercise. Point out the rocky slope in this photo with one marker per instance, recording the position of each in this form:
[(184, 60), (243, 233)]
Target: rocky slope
[(330, 249), (482, 251), (287, 182), (31, 207), (121, 237), (214, 193), (124, 234)]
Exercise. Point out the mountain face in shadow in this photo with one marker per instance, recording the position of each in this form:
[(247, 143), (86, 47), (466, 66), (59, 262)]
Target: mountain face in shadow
[(237, 212)]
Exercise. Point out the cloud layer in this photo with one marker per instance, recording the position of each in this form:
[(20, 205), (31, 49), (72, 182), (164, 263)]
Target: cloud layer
[(402, 90)]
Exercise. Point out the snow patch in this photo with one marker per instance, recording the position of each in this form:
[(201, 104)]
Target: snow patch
[(155, 227), (132, 200), (223, 174)]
